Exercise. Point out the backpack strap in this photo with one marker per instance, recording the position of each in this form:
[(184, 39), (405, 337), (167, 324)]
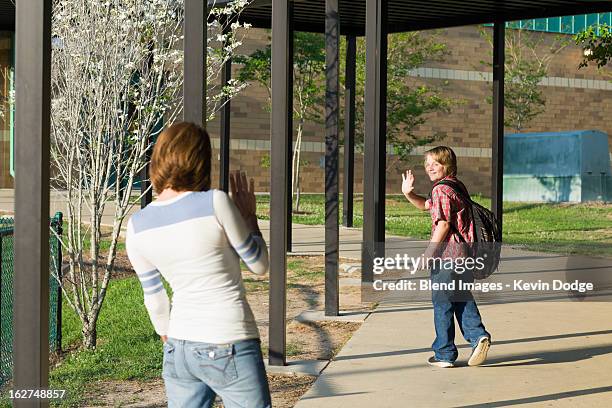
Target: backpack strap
[(458, 189), (462, 194)]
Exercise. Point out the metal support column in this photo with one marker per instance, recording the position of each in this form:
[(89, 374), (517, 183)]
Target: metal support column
[(278, 181), (194, 64), (349, 130), (290, 127), (31, 245), (224, 134), (374, 161), (332, 128), (497, 156)]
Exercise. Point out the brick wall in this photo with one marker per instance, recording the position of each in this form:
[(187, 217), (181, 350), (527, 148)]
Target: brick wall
[(468, 126)]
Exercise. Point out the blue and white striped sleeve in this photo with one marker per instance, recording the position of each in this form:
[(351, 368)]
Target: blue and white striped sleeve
[(251, 248), (155, 296)]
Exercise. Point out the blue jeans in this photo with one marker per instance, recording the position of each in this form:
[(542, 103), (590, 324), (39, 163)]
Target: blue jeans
[(194, 373), (457, 303)]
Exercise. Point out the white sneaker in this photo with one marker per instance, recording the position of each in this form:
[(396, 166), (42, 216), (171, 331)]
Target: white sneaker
[(479, 354), (433, 361)]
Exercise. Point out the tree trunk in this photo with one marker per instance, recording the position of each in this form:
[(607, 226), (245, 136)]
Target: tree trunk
[(90, 336), (298, 150), (293, 171)]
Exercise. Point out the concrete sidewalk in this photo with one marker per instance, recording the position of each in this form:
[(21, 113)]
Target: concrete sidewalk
[(548, 349), (543, 354)]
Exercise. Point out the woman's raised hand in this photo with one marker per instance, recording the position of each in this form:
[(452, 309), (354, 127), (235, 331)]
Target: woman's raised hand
[(407, 182), (243, 194)]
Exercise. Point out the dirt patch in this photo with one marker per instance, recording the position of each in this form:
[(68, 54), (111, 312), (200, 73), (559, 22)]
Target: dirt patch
[(134, 394), (122, 267), (319, 340), (305, 341), (285, 390)]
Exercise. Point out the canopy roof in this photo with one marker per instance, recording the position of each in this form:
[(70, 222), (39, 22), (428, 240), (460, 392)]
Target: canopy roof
[(404, 15), (7, 15), (410, 15)]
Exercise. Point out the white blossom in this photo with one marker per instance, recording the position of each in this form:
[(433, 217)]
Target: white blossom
[(117, 73)]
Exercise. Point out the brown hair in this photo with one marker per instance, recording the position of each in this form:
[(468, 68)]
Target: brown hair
[(446, 157), (181, 159)]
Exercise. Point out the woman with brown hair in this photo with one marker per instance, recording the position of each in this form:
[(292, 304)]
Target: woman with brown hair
[(194, 237)]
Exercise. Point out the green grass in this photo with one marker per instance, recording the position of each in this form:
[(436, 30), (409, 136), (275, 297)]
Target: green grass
[(294, 349), (575, 228), (255, 285), (128, 347), (300, 273), (564, 228)]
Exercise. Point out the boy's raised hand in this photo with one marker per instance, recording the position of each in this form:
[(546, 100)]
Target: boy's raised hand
[(407, 182)]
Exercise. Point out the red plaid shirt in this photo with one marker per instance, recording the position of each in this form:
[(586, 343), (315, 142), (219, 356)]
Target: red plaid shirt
[(445, 205)]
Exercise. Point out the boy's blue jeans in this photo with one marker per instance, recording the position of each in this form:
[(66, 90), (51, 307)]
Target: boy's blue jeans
[(450, 304), (194, 373)]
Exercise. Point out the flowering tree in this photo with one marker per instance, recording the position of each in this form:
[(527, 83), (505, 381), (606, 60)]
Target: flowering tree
[(7, 99), (116, 77)]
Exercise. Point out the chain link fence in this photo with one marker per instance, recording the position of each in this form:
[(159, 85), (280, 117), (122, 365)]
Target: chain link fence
[(6, 292)]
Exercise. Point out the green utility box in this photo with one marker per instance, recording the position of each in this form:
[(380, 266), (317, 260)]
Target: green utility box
[(572, 166)]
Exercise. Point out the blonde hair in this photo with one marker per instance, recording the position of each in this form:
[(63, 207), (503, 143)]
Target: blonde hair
[(181, 159), (446, 157)]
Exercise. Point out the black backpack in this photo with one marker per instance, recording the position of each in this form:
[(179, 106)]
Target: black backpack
[(487, 240)]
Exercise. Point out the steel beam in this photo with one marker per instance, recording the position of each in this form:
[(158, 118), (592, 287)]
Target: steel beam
[(31, 245), (374, 177), (194, 64), (290, 127), (224, 133), (278, 186), (332, 130), (497, 142), (349, 130)]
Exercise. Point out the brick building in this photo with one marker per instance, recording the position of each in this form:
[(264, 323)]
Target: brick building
[(576, 99)]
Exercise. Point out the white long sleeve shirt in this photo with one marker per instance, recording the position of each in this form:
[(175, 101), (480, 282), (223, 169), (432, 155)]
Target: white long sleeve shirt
[(195, 241)]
